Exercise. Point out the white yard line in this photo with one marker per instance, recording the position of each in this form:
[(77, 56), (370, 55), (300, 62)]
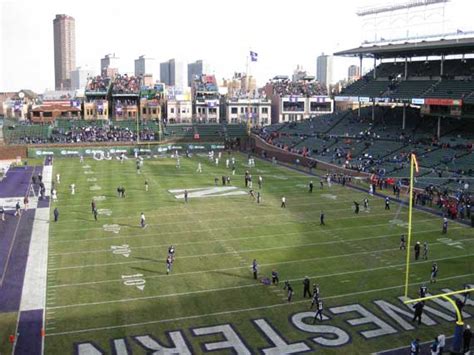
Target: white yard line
[(212, 241), (242, 251), (246, 218), (285, 304), (247, 267)]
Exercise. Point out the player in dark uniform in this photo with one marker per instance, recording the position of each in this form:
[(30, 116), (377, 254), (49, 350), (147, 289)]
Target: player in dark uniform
[(289, 290), (169, 264), (356, 207), (171, 251), (315, 296), (306, 284), (366, 204), (321, 219), (255, 268), (445, 225), (17, 209), (423, 291), (418, 311), (387, 203), (259, 197), (417, 250), (402, 243), (275, 278), (185, 196), (311, 186), (95, 213), (319, 311), (434, 273), (2, 213)]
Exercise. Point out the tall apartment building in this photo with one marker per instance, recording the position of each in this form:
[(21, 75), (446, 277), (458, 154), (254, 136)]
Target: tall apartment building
[(64, 50), (143, 65), (324, 69), (196, 69), (174, 73)]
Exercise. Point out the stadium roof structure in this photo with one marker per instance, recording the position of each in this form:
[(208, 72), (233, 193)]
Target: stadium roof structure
[(413, 49)]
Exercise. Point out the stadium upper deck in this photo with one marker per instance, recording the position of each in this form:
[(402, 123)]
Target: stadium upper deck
[(444, 86)]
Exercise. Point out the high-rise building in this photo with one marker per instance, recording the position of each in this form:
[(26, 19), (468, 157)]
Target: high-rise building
[(174, 73), (324, 69), (353, 73), (109, 65), (196, 69), (64, 50), (79, 77), (143, 65)]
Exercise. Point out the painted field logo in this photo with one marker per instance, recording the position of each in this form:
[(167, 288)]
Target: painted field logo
[(329, 196), (99, 198), (95, 187), (91, 179), (88, 172), (215, 191), (136, 280), (86, 167), (114, 228), (123, 249)]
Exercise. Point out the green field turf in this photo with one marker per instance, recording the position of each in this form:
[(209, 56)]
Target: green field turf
[(355, 259)]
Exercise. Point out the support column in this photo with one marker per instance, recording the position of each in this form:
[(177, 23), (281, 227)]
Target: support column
[(406, 68), (360, 66), (375, 66), (358, 110), (442, 66), (438, 132), (404, 116), (373, 111)]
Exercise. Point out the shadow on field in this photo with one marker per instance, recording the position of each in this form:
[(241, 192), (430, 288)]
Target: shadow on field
[(146, 270), (230, 274)]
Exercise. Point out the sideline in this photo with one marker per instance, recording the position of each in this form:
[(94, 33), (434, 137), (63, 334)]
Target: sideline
[(31, 320)]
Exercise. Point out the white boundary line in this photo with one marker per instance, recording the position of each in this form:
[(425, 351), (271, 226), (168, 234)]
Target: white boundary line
[(239, 310)]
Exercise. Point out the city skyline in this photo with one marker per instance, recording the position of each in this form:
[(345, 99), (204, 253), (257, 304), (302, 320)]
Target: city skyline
[(27, 45)]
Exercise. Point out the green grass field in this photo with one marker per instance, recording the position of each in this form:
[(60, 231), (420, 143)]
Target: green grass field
[(112, 284)]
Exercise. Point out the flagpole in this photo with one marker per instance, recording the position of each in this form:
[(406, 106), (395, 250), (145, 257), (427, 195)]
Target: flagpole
[(410, 207), (247, 71)]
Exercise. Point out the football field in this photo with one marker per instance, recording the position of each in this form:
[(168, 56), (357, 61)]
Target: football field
[(108, 290)]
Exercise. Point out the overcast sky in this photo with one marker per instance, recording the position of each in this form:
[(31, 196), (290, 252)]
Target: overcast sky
[(283, 33)]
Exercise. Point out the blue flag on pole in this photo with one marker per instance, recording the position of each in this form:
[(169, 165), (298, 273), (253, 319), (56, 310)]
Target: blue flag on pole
[(253, 56)]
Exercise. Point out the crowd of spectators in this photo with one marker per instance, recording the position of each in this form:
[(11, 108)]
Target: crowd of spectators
[(124, 84), (91, 134), (298, 88), (98, 84)]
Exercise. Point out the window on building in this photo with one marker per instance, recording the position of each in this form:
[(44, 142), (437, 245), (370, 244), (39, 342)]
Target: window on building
[(242, 110), (172, 110), (154, 111), (265, 110), (233, 110), (129, 114), (144, 111)]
